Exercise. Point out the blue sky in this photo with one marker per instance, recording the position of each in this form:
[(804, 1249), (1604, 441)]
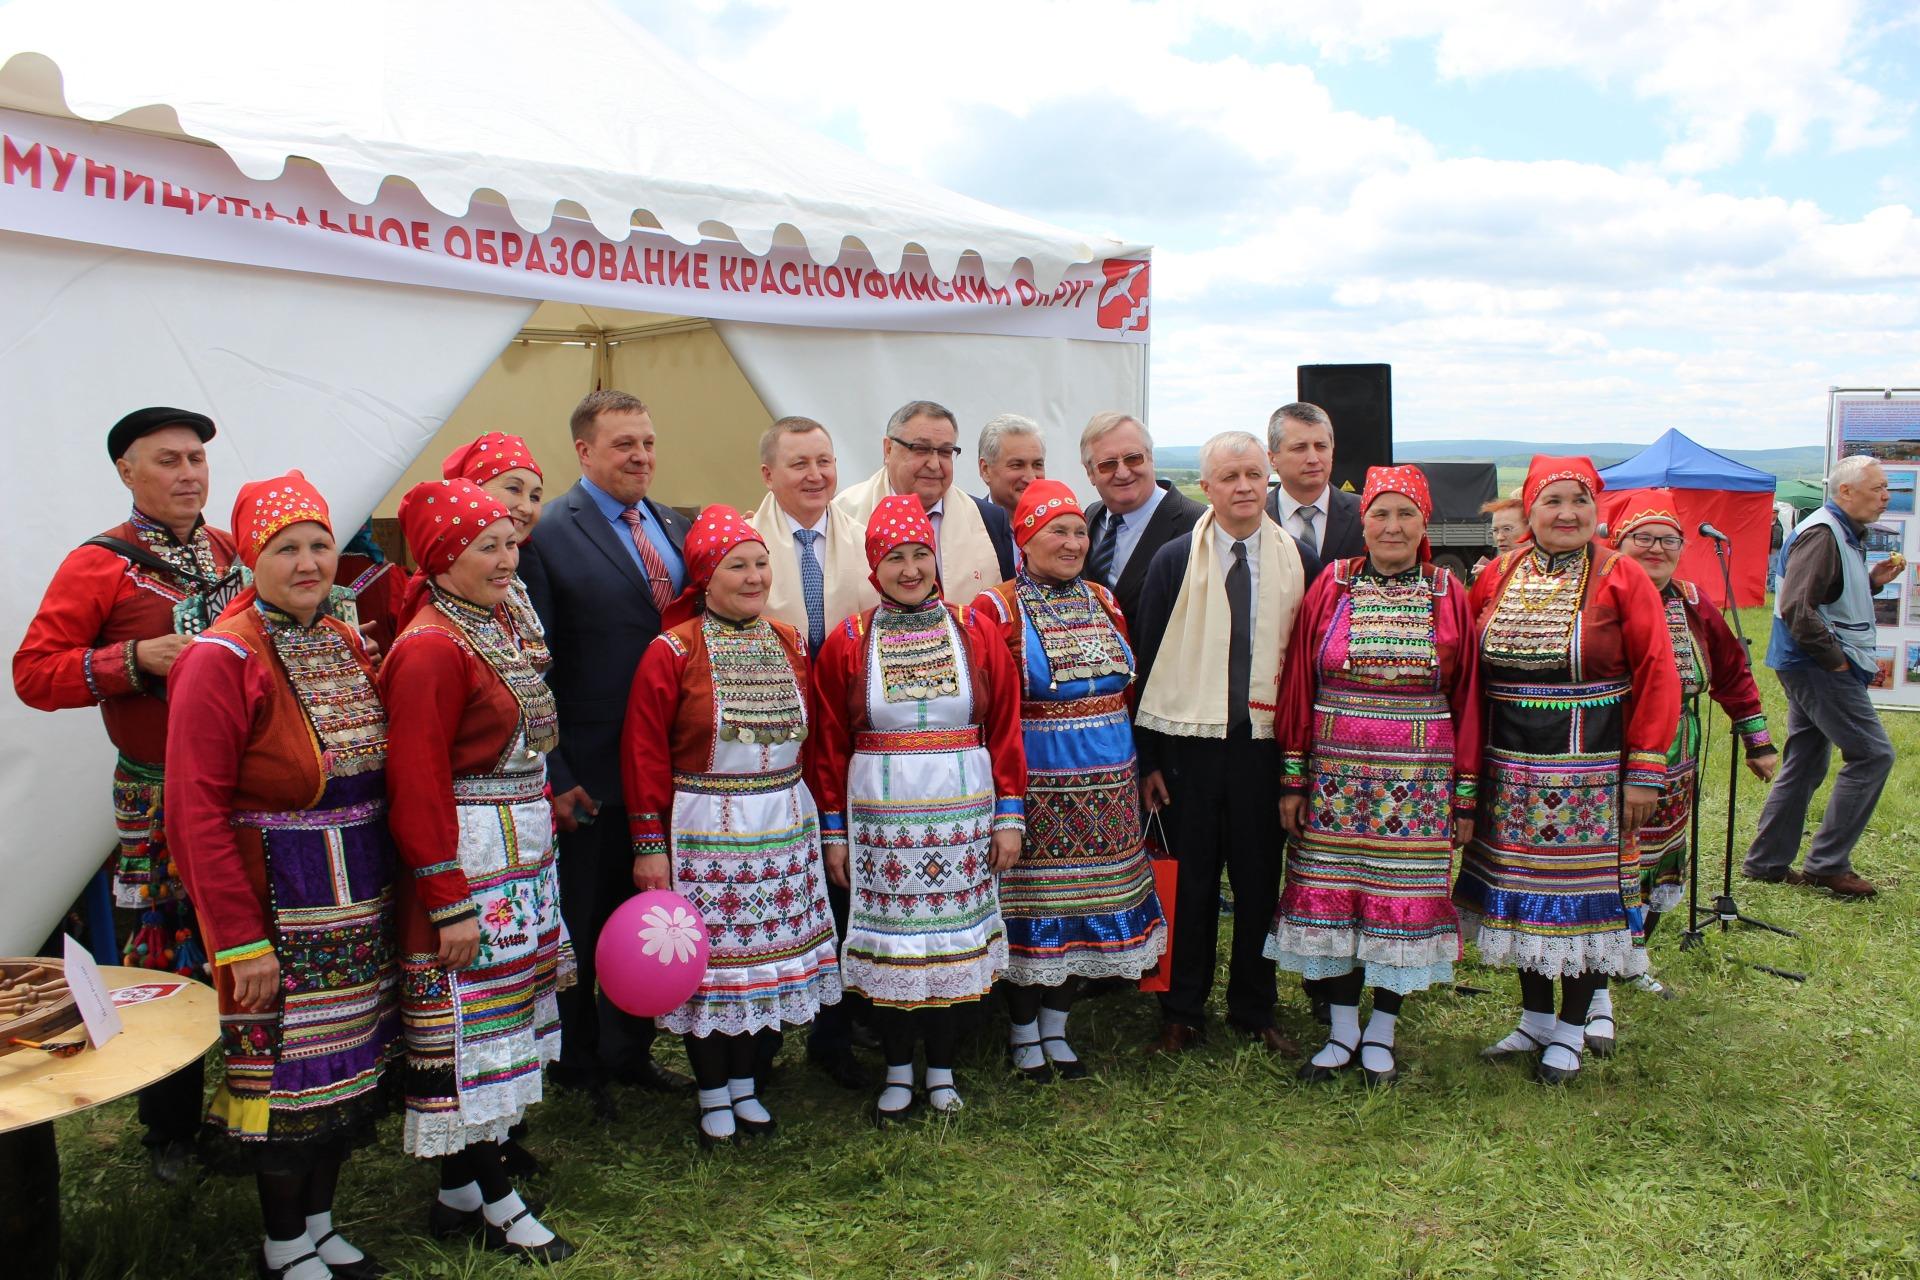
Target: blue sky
[(1572, 220)]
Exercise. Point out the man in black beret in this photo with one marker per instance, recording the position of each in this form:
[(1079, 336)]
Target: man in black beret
[(120, 609)]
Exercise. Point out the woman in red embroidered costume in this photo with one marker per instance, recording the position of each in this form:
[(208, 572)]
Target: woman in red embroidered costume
[(1379, 731), (277, 818), (1709, 659), (1582, 700), (918, 766), (504, 466), (479, 910), (1080, 902), (711, 761)]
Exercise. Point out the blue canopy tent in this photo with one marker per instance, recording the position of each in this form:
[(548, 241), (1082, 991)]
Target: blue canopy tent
[(1707, 488)]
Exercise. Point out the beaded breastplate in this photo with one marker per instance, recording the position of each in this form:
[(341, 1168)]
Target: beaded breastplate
[(1532, 625), (499, 647), (1390, 632), (916, 652), (333, 689), (754, 691), (1079, 640)]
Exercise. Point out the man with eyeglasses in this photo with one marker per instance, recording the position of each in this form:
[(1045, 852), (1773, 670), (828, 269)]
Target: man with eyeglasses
[(1321, 518), (1137, 513), (917, 457)]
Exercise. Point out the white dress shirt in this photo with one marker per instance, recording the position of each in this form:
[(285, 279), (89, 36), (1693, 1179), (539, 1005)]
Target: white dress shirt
[(1289, 520), (1132, 525)]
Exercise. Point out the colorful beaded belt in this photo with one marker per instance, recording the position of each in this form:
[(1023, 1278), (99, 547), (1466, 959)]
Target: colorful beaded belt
[(351, 815), (736, 784), (1562, 697), (909, 741), (511, 788), (1075, 709)]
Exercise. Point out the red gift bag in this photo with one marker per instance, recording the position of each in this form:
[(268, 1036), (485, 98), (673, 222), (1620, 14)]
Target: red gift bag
[(1166, 884)]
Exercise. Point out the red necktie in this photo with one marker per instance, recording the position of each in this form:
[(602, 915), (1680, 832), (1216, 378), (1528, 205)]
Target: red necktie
[(659, 581)]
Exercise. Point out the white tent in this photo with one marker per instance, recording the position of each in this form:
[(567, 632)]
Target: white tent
[(330, 228)]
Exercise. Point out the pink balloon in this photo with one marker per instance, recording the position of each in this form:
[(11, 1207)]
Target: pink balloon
[(653, 953)]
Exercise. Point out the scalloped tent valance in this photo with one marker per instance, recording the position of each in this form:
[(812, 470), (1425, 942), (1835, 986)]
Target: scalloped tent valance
[(567, 106)]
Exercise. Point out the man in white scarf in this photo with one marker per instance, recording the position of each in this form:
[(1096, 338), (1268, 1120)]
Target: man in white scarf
[(799, 522), (917, 457), (1210, 639)]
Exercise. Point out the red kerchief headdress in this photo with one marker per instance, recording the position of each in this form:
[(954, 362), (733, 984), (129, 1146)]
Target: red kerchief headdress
[(716, 533), (492, 454), (441, 518), (1042, 501), (1651, 506), (1410, 481), (1545, 470), (898, 520), (265, 507)]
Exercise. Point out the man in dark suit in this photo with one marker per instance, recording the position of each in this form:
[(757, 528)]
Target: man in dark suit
[(607, 563), (1136, 515), (1321, 519)]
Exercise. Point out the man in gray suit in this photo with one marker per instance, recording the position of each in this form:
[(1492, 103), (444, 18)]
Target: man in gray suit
[(606, 564), (1321, 519)]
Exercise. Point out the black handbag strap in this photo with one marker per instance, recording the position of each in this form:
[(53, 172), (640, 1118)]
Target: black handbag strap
[(147, 560)]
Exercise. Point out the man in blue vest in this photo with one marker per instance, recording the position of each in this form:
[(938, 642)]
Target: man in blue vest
[(1822, 648)]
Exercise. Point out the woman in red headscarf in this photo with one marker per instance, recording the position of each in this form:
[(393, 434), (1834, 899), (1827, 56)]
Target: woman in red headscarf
[(479, 911), (1708, 659), (277, 820), (711, 767), (1379, 732), (1582, 700), (1080, 902), (919, 770), (504, 466)]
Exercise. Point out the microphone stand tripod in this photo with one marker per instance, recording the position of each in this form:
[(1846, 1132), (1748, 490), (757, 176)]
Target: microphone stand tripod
[(1725, 909)]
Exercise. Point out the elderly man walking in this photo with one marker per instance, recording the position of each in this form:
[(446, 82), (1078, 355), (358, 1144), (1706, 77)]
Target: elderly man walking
[(917, 455), (1822, 649), (1210, 641)]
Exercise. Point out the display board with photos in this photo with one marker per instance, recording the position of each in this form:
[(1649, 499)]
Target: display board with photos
[(1886, 425)]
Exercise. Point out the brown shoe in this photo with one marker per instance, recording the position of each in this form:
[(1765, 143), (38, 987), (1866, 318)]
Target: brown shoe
[(1174, 1038), (1277, 1041), (1794, 877), (1844, 885)]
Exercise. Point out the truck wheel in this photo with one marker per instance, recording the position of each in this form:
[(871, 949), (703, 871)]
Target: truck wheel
[(1453, 564)]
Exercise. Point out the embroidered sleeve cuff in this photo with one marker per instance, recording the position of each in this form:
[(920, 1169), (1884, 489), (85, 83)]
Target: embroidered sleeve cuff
[(1646, 769), (649, 834), (1293, 771), (1466, 794), (247, 951), (1753, 734), (1010, 806), (452, 913), (833, 826), (112, 672), (1009, 822)]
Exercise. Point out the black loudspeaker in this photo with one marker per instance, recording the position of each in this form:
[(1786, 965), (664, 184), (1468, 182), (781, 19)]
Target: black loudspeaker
[(1359, 399)]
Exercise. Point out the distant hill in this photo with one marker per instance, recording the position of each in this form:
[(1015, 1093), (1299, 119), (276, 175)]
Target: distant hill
[(1803, 462)]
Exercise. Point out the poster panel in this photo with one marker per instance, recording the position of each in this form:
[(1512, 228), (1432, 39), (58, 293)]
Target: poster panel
[(1885, 424)]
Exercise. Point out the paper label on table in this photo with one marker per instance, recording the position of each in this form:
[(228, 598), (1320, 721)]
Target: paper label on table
[(143, 993), (90, 993)]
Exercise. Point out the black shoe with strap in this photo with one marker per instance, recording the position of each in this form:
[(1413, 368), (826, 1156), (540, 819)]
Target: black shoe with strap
[(1557, 1075), (751, 1128), (1071, 1068), (363, 1269), (1601, 1042), (554, 1250), (1379, 1078), (1042, 1074), (707, 1140), (267, 1271), (1312, 1073)]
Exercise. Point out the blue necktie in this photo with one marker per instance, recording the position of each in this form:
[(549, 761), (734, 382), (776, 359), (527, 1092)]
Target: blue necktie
[(813, 585), (1100, 565)]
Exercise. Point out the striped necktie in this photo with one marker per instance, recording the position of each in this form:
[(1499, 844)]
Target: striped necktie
[(1100, 564), (659, 581), (813, 586)]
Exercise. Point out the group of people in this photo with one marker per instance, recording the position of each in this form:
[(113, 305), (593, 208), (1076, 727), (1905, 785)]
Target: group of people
[(896, 744)]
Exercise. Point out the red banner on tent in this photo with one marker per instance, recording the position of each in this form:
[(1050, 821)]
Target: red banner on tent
[(1746, 519)]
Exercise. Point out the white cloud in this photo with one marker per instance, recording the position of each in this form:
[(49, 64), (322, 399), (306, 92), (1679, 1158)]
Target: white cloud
[(1512, 297)]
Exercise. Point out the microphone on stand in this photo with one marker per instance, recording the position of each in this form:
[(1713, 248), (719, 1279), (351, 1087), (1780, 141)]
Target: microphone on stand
[(1708, 531)]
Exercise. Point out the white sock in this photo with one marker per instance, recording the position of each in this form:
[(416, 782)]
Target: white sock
[(716, 1112), (941, 1095), (1023, 1038), (1537, 1025), (1345, 1030), (1602, 1005), (899, 1091), (280, 1252), (1053, 1026), (1564, 1053), (466, 1199), (335, 1252), (745, 1105), (1380, 1031), (527, 1232)]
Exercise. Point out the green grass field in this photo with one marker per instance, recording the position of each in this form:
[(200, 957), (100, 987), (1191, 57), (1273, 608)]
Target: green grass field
[(1750, 1128)]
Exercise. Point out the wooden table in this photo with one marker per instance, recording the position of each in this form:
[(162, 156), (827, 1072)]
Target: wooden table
[(157, 1038)]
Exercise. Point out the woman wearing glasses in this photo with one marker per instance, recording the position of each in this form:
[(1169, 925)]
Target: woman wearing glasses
[(1708, 659), (1581, 697)]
